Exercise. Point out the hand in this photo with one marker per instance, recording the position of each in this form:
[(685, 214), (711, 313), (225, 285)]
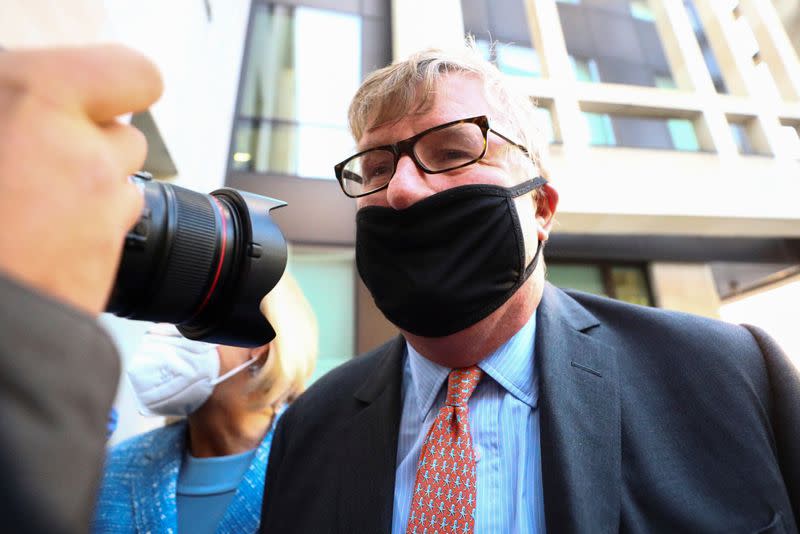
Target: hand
[(65, 199)]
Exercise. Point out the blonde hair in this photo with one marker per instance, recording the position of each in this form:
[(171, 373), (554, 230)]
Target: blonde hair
[(293, 353), (409, 85)]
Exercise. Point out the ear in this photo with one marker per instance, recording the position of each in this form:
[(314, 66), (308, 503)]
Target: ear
[(546, 204), (262, 353)]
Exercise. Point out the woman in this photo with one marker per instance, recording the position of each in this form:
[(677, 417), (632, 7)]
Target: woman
[(205, 472)]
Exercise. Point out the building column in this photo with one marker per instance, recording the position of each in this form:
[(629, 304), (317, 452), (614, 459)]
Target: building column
[(686, 287), (742, 77), (775, 48), (691, 74), (548, 39)]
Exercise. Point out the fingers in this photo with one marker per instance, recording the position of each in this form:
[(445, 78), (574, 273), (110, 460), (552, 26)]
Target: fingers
[(127, 145), (101, 82)]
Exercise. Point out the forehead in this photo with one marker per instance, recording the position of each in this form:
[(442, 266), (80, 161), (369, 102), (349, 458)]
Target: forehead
[(455, 96)]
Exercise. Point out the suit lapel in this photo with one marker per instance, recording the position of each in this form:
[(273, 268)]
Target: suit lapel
[(155, 505), (580, 418), (369, 452)]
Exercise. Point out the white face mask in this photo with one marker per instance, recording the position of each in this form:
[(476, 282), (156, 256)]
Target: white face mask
[(172, 375)]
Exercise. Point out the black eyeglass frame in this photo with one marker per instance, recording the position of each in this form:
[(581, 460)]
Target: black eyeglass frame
[(406, 146)]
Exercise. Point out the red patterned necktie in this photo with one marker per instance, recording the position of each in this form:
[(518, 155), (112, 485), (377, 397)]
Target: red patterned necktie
[(444, 496)]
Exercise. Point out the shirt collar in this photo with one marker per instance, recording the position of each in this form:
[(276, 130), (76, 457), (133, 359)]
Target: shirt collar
[(511, 365)]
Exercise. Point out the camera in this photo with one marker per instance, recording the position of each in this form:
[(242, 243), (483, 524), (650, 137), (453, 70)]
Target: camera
[(201, 262)]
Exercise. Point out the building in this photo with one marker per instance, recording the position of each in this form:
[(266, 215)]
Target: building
[(673, 127)]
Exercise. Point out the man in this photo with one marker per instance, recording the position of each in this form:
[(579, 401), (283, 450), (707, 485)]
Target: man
[(65, 207), (562, 411)]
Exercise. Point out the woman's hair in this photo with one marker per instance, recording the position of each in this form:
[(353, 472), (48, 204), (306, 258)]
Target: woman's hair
[(409, 86), (293, 352)]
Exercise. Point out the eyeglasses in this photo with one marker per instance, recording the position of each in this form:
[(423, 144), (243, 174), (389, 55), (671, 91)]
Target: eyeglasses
[(439, 149)]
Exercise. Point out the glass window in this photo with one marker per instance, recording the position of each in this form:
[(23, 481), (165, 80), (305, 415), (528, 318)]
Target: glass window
[(630, 284), (601, 131), (327, 278), (683, 135), (514, 60), (287, 148), (623, 282), (742, 138), (587, 278), (505, 24), (642, 132), (640, 10), (546, 123), (585, 69), (708, 55), (617, 42), (665, 81), (292, 117)]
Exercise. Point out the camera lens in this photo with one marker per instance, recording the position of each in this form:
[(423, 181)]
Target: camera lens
[(202, 262)]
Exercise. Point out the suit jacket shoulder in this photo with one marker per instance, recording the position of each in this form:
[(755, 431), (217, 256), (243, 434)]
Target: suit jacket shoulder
[(58, 377), (646, 333), (331, 468), (334, 394), (699, 406)]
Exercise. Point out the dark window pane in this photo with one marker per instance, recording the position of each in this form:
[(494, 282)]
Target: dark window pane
[(587, 278), (742, 138), (505, 23), (620, 39), (708, 54), (623, 282), (630, 285), (642, 132)]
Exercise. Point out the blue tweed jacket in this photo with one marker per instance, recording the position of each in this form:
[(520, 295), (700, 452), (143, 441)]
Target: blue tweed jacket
[(139, 486)]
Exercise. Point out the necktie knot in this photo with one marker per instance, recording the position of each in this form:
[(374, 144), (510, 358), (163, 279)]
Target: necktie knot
[(460, 385)]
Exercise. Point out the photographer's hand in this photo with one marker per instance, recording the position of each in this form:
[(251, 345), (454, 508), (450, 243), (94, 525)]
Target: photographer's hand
[(65, 199)]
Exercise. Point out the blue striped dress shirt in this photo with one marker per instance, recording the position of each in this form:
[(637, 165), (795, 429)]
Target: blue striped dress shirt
[(504, 421)]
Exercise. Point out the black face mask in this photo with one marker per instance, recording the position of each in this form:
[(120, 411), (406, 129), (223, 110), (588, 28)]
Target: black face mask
[(446, 262)]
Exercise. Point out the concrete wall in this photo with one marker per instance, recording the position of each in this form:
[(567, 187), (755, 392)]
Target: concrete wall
[(685, 287), (789, 12)]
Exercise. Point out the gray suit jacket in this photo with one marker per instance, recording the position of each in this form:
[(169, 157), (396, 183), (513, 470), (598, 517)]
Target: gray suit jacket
[(651, 421), (58, 378)]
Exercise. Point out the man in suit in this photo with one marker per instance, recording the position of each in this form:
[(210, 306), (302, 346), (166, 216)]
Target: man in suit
[(65, 207), (562, 411)]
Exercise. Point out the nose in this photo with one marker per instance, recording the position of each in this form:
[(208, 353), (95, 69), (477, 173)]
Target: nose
[(408, 186)]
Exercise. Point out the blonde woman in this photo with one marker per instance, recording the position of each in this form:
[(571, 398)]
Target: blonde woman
[(205, 472)]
